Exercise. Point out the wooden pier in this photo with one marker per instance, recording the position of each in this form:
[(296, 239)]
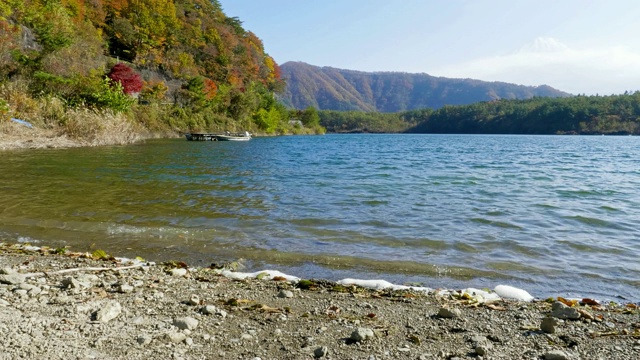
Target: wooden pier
[(218, 137), (201, 137)]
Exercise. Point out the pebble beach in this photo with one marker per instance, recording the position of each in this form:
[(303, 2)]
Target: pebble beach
[(95, 306)]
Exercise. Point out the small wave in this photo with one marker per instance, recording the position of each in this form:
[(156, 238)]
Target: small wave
[(547, 206), (609, 208), (375, 202), (510, 266), (576, 193), (585, 247), (583, 193), (314, 222), (466, 248), (500, 224), (595, 222)]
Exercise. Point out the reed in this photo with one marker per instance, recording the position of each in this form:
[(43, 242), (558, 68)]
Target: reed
[(52, 118), (95, 128)]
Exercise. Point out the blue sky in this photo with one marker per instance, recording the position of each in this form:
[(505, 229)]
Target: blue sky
[(579, 46)]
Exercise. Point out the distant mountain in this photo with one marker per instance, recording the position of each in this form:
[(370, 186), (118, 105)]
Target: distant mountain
[(328, 88)]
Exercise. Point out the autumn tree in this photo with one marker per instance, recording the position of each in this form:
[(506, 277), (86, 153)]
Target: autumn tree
[(129, 79)]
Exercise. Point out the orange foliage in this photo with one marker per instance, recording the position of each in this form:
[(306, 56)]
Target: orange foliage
[(76, 8), (210, 89), (277, 73), (234, 79)]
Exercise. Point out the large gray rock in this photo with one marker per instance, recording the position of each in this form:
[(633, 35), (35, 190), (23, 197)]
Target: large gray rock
[(285, 294), (320, 352), (362, 334), (185, 323), (562, 311), (555, 355), (144, 339), (33, 289), (175, 337), (125, 288), (108, 312), (212, 310), (7, 271), (483, 350), (549, 324), (194, 300), (73, 283), (178, 272), (12, 279), (449, 313)]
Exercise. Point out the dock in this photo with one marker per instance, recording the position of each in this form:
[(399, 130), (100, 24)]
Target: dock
[(246, 136), (201, 137)]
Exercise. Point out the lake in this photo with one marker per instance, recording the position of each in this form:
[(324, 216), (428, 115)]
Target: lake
[(554, 215)]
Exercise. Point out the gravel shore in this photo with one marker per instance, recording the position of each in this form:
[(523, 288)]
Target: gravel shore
[(73, 306)]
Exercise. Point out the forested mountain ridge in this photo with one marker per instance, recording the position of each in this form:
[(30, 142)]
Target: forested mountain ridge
[(191, 66), (576, 115), (328, 88)]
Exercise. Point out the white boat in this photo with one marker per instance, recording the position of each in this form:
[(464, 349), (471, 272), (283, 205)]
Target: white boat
[(234, 137)]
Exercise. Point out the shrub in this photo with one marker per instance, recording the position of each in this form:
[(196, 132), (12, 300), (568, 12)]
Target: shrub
[(111, 96), (130, 81)]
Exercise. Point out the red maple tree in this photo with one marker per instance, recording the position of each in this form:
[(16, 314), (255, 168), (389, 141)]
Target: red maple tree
[(131, 82)]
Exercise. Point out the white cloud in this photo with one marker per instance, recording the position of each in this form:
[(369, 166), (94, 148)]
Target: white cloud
[(544, 45), (604, 71)]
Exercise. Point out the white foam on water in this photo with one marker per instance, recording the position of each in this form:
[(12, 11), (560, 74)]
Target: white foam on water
[(26, 239), (510, 292), (500, 291), (381, 284), (266, 274), (482, 296), (136, 261)]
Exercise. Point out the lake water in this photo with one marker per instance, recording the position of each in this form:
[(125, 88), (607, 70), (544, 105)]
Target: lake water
[(554, 215)]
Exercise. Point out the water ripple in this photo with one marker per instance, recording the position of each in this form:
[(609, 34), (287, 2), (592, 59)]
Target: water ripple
[(556, 215)]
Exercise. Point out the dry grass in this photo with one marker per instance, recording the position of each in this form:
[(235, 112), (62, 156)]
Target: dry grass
[(16, 136), (92, 128), (55, 125)]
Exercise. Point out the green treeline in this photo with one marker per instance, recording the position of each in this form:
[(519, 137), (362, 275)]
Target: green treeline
[(615, 115), (370, 122), (198, 69)]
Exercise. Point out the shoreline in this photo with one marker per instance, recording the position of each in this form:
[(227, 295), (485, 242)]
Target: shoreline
[(34, 139), (73, 305), (15, 136)]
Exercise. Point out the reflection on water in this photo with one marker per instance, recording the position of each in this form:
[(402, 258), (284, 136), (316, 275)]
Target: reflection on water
[(555, 215)]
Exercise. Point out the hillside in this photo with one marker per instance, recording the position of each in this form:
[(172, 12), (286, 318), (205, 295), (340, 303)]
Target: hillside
[(328, 88), (166, 66)]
